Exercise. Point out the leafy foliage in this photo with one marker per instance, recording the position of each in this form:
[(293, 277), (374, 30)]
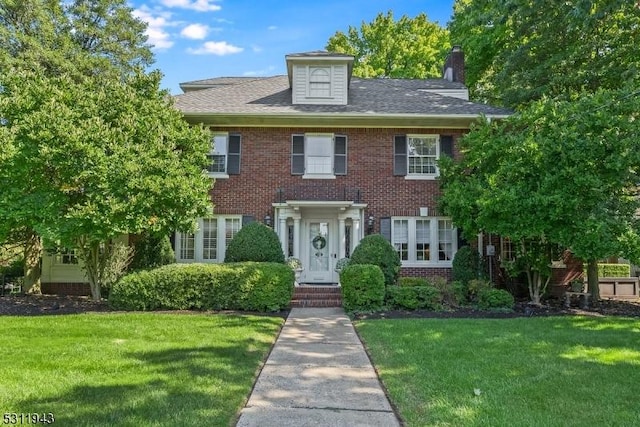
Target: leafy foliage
[(412, 281), (522, 50), (152, 250), (375, 249), (466, 265), (241, 286), (414, 297), (255, 242), (362, 287), (90, 147), (406, 48), (577, 163), (492, 299)]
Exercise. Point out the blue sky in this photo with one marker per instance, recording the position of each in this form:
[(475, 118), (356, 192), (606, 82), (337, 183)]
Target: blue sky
[(199, 39)]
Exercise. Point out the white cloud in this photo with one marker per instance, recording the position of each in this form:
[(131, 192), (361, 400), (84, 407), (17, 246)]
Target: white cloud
[(272, 27), (156, 23), (195, 31), (199, 5), (215, 48), (255, 48)]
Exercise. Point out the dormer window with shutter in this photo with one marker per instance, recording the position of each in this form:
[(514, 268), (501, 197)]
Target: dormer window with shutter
[(416, 156)]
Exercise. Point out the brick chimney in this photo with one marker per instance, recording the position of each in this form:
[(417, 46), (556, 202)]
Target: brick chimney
[(453, 69)]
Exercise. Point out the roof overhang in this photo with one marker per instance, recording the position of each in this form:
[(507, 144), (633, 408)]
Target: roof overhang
[(341, 120)]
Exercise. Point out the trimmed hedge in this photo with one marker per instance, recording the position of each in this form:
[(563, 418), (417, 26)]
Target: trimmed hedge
[(375, 249), (245, 286), (362, 287), (412, 281), (151, 251), (492, 299), (466, 265), (414, 297)]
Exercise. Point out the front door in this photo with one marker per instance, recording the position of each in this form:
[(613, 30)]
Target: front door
[(319, 247)]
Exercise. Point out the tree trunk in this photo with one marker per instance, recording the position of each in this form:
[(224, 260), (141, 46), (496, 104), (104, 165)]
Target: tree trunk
[(32, 270), (592, 280), (89, 253)]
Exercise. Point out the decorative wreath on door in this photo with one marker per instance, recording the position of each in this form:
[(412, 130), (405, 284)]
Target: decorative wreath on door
[(319, 242)]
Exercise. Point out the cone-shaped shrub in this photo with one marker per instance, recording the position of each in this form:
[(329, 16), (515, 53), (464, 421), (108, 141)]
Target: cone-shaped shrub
[(375, 249)]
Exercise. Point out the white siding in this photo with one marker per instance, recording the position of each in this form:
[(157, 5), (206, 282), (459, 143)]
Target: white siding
[(300, 82)]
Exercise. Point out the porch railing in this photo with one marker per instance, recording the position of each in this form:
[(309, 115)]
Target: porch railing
[(313, 191)]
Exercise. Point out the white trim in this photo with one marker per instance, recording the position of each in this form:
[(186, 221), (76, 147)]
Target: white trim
[(225, 152), (221, 240), (434, 242)]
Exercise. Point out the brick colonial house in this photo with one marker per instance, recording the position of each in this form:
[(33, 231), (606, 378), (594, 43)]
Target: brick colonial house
[(326, 158)]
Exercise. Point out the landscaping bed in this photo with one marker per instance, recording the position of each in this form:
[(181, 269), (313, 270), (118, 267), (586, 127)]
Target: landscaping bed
[(31, 305)]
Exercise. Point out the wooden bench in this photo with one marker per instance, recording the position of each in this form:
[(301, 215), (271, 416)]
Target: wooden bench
[(582, 296)]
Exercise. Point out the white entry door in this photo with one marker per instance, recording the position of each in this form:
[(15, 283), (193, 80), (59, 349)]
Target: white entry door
[(319, 247)]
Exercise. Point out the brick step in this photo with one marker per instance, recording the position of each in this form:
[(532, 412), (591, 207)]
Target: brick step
[(316, 296)]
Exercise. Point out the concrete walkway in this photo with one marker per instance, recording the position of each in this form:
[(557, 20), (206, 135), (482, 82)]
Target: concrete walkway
[(318, 374)]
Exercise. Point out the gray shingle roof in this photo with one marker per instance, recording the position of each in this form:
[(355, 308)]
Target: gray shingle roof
[(370, 97)]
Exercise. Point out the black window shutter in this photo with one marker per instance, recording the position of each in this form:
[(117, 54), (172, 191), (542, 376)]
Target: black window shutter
[(340, 155), (400, 155), (297, 155), (246, 219), (446, 145), (385, 228), (233, 155)]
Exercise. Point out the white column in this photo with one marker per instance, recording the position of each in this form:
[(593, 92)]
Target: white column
[(480, 243), (341, 239), (283, 234), (355, 233), (296, 237)]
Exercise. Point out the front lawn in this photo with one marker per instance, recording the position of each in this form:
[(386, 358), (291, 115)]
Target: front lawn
[(134, 369), (554, 371)]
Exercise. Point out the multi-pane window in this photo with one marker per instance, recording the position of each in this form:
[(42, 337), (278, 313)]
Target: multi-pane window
[(67, 256), (424, 240), (507, 251), (209, 238), (232, 226), (218, 154), (210, 241), (423, 154), (187, 246), (401, 238), (319, 82), (445, 240)]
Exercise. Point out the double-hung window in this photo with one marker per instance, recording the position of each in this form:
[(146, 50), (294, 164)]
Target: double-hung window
[(319, 155), (66, 256), (424, 240), (210, 241), (224, 155), (416, 156)]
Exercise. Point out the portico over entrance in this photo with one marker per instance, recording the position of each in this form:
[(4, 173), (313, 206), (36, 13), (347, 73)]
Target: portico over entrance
[(319, 233)]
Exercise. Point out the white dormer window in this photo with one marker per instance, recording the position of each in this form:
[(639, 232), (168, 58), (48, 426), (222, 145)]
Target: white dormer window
[(319, 82)]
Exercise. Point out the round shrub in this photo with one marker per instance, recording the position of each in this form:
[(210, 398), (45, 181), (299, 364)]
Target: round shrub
[(495, 299), (466, 265), (151, 251), (376, 250), (255, 242), (362, 287), (412, 281), (246, 286)]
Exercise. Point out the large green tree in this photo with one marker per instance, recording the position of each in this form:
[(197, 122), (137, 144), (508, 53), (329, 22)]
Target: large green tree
[(406, 48), (557, 173), (90, 147), (521, 50)]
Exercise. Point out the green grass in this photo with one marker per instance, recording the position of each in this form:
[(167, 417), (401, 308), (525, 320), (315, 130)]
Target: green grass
[(556, 371), (125, 369)]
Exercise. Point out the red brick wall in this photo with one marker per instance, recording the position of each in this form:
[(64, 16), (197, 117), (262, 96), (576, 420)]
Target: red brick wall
[(266, 166)]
